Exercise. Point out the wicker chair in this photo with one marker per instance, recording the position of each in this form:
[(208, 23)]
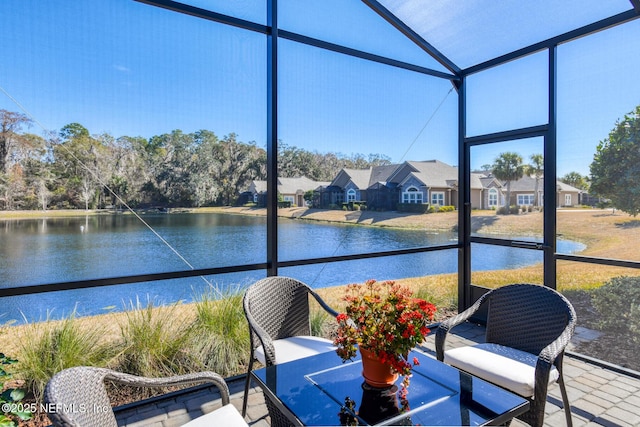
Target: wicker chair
[(77, 397), (277, 309), (528, 328)]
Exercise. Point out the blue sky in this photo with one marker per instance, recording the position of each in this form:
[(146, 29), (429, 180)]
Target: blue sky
[(127, 68)]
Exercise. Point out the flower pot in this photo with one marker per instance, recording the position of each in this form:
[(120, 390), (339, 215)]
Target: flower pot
[(376, 373)]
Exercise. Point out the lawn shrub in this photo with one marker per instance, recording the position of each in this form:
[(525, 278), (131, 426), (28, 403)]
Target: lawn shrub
[(618, 303), (513, 210), (220, 338), (447, 208)]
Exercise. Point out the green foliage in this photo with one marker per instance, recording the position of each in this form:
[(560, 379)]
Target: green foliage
[(618, 303), (154, 340), (616, 165), (536, 169), (220, 333), (308, 196), (168, 170), (11, 397), (576, 180), (49, 347)]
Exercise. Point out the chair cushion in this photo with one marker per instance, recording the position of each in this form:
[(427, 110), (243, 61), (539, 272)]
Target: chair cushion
[(228, 415), (505, 366), (292, 348)]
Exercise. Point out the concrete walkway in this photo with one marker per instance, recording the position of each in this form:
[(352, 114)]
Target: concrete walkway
[(599, 397)]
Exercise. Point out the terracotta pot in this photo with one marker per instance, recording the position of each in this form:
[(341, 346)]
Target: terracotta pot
[(376, 373)]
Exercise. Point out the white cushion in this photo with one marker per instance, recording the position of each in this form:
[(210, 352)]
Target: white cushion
[(505, 366), (228, 415), (293, 348)]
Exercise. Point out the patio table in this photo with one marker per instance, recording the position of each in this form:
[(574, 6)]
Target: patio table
[(322, 391)]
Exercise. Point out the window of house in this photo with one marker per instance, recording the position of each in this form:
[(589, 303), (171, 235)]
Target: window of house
[(525, 199), (412, 195), (437, 198), (493, 197), (351, 195)]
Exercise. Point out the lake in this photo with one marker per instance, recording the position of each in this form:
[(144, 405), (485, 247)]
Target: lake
[(51, 250)]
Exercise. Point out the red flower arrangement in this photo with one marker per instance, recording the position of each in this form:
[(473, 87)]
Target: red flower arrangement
[(385, 319)]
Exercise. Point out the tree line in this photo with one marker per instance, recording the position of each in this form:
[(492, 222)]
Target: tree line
[(74, 169)]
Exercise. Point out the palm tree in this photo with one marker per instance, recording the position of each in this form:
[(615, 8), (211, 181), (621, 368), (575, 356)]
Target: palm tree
[(536, 168), (508, 167)]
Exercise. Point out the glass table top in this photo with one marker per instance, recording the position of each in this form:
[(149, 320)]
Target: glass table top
[(320, 390)]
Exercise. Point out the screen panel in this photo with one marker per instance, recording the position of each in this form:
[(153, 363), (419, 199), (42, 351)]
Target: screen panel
[(509, 96), (124, 127), (369, 145), (597, 140), (507, 189), (493, 265)]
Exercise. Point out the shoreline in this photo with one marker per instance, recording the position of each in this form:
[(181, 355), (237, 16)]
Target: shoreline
[(604, 233)]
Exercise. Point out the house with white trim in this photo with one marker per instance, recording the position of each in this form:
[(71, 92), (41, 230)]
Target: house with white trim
[(434, 183)]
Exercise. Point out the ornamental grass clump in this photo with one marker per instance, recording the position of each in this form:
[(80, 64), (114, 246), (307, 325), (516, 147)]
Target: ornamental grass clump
[(220, 333), (384, 318)]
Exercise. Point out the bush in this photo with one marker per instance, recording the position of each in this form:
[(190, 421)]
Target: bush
[(49, 347), (413, 207), (446, 208), (220, 333), (513, 210), (618, 303)]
